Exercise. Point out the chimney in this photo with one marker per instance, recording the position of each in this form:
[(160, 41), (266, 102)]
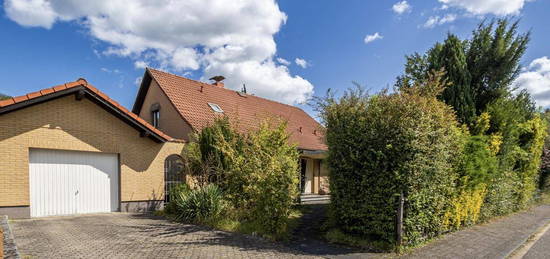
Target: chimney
[(218, 81)]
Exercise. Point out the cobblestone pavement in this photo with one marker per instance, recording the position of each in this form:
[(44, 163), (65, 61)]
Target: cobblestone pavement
[(121, 235), (495, 239)]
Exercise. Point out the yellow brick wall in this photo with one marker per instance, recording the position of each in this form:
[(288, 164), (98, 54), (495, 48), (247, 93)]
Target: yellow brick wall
[(68, 124)]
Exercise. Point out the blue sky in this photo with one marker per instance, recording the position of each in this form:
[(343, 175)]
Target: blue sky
[(286, 50)]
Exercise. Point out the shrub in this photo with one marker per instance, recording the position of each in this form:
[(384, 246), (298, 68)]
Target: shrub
[(261, 181), (257, 172), (383, 145), (476, 170), (200, 205)]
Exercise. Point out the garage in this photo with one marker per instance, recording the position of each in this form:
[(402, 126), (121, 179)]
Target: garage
[(70, 149), (72, 182)]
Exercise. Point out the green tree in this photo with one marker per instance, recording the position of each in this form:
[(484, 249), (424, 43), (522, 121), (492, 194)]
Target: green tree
[(3, 97), (480, 70)]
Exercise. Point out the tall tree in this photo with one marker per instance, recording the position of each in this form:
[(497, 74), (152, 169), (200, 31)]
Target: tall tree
[(480, 70)]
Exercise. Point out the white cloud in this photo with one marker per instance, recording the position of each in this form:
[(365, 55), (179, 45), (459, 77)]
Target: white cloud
[(137, 81), (301, 62), (140, 64), (31, 13), (178, 36), (497, 7), (438, 20), (536, 80), (373, 37), (401, 7), (110, 71), (274, 79), (283, 61)]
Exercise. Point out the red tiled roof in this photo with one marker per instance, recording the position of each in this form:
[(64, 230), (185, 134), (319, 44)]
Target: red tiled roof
[(191, 99), (84, 83)]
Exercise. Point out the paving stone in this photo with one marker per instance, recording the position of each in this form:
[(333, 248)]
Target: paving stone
[(122, 235)]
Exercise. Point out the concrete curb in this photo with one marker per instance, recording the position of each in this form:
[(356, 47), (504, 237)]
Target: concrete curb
[(10, 249), (522, 249)]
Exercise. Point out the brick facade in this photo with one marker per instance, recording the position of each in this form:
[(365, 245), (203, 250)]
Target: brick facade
[(68, 124)]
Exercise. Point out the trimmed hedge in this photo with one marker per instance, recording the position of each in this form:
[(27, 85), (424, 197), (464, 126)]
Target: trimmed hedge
[(382, 145)]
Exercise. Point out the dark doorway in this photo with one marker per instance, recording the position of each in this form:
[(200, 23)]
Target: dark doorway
[(303, 164)]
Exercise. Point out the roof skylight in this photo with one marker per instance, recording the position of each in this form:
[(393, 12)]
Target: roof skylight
[(215, 107)]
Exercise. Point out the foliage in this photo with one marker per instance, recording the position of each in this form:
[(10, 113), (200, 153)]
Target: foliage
[(4, 97), (479, 69), (476, 169), (200, 205), (382, 145), (410, 142), (258, 172), (263, 174), (544, 181)]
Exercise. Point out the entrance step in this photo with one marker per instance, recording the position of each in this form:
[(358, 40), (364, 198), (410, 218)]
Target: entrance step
[(314, 199)]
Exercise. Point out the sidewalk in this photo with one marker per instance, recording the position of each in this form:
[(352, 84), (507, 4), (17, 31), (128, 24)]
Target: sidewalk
[(495, 239)]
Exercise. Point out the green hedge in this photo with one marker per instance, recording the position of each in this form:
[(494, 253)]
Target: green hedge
[(382, 145), (410, 142)]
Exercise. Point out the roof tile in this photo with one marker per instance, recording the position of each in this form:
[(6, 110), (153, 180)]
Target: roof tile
[(59, 88), (6, 102), (34, 95), (46, 91), (19, 99)]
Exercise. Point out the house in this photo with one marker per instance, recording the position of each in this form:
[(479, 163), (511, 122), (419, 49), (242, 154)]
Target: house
[(71, 149), (179, 106)]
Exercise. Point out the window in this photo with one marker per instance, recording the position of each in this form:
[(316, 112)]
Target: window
[(173, 175), (155, 115), (215, 107)]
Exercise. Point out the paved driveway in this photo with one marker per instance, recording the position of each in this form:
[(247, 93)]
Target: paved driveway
[(121, 235)]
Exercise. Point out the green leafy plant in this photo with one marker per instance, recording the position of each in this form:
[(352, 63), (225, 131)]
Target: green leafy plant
[(200, 205), (257, 172)]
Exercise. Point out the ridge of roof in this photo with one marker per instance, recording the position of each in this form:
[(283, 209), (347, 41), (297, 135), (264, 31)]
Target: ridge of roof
[(81, 82)]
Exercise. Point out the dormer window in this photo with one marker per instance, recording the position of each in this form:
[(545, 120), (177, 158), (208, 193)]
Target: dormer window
[(215, 107), (155, 115)]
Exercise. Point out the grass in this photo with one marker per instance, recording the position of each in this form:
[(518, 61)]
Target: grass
[(544, 198), (230, 224), (336, 236), (253, 228)]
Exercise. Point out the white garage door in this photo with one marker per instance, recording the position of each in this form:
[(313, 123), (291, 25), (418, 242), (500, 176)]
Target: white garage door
[(69, 182)]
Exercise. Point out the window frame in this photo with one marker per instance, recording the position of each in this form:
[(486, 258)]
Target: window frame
[(155, 115)]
